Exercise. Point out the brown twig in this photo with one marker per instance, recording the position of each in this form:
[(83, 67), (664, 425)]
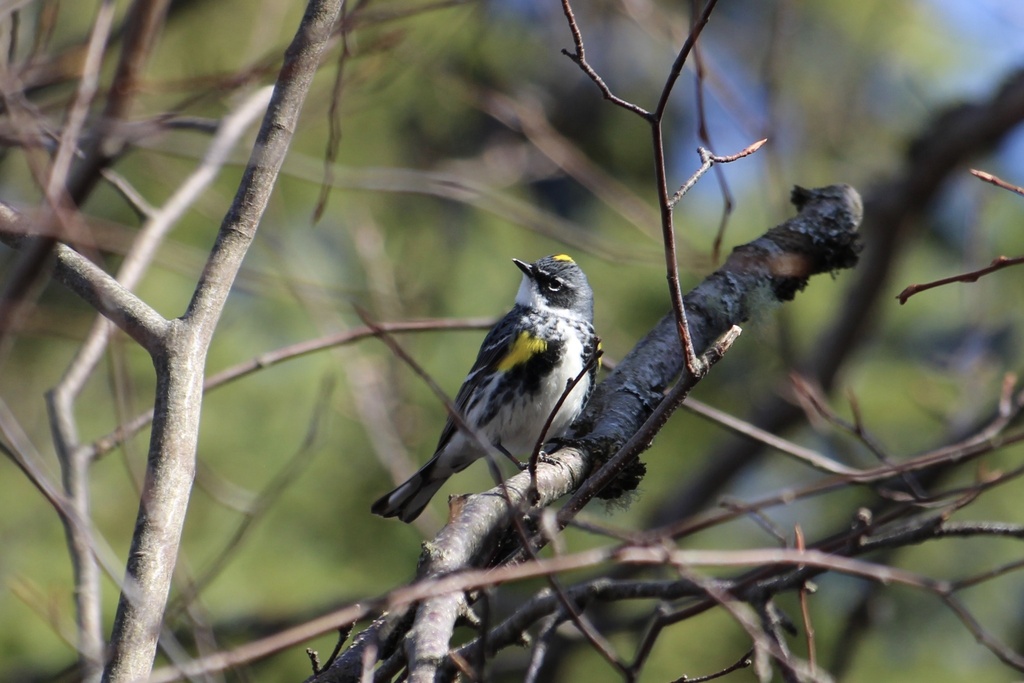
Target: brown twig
[(661, 179), (704, 135), (805, 608), (480, 578), (997, 264), (334, 123), (809, 457), (742, 663), (707, 161), (997, 181), (106, 443), (817, 406), (580, 58)]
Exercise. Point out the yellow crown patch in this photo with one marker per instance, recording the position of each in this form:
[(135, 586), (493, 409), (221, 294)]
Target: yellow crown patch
[(523, 348), (563, 257)]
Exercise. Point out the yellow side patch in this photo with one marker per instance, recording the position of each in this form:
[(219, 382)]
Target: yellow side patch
[(522, 349), (563, 257)]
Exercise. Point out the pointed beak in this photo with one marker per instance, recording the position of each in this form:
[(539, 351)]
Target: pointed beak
[(523, 266)]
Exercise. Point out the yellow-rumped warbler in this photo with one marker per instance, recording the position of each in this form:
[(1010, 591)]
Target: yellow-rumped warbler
[(525, 364)]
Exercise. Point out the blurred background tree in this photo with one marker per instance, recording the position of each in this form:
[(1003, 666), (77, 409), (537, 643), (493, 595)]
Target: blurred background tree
[(439, 140)]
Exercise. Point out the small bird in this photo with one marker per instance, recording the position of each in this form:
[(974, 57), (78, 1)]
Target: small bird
[(525, 364)]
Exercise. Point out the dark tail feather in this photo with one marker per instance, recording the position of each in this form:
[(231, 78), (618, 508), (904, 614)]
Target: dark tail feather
[(408, 500)]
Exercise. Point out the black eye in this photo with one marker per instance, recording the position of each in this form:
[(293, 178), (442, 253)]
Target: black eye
[(553, 285)]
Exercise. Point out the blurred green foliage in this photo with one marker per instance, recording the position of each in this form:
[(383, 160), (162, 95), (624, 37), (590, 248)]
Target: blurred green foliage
[(427, 209)]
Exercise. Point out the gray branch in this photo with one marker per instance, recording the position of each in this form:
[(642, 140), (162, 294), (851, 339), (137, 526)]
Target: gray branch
[(180, 365), (97, 287)]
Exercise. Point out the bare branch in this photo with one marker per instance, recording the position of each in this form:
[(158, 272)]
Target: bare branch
[(707, 161), (580, 58), (107, 443), (661, 183), (998, 263), (997, 181), (696, 28), (171, 464), (96, 287), (143, 23), (742, 663), (87, 87), (956, 134), (805, 455)]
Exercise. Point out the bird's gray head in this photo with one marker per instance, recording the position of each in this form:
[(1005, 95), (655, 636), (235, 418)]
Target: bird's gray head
[(556, 284)]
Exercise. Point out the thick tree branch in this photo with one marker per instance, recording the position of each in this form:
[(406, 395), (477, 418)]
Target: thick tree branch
[(76, 458), (891, 208), (171, 464)]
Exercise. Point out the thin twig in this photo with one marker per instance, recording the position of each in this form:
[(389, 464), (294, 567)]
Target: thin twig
[(79, 109), (997, 181), (334, 123), (742, 663), (696, 28), (707, 160), (671, 259), (805, 609), (661, 184), (704, 134), (480, 578), (580, 58), (812, 397), (806, 455), (106, 443), (668, 232), (997, 264)]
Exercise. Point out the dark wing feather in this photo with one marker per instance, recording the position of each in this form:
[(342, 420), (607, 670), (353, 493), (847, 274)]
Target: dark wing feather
[(492, 350), (589, 349)]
